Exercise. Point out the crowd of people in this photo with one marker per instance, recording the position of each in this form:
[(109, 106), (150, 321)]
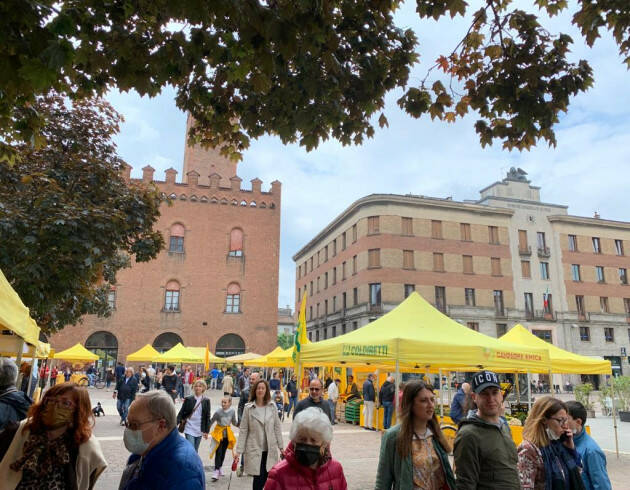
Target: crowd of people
[(51, 444)]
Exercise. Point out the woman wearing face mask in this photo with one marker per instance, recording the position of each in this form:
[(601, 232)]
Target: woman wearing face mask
[(414, 453), (260, 435), (547, 459), (308, 463), (54, 446), (196, 412)]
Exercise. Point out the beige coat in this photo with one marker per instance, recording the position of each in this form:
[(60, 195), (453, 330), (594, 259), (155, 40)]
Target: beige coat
[(251, 437), (228, 384), (90, 461)]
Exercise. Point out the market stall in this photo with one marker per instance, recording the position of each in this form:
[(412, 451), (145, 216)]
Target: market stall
[(179, 354), (241, 358), (278, 357), (145, 354), (76, 353)]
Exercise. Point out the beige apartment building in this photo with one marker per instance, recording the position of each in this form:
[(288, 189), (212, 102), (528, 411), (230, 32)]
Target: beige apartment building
[(506, 258)]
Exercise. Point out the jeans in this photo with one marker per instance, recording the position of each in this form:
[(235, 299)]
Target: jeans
[(195, 441), (388, 410), (213, 384), (292, 404), (90, 379), (123, 407), (333, 410)]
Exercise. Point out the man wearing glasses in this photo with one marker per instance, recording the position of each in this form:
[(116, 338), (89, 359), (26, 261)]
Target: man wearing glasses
[(315, 399)]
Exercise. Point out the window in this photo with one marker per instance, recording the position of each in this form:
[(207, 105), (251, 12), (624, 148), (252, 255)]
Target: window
[(299, 272), (440, 298), (326, 253), (522, 241), (623, 275), (334, 244), (599, 272), (408, 261), (176, 243), (373, 225), (355, 296), (375, 295), (603, 304), (626, 306), (344, 302), (354, 233), (171, 298), (236, 243), (319, 253), (325, 307), (498, 302), (464, 230), (311, 289), (334, 331), (468, 264), (501, 329), (575, 272), (355, 325), (316, 335), (495, 266), (374, 258), (409, 288), (311, 264), (436, 229), (573, 244), (334, 304), (317, 310), (325, 333), (469, 294), (619, 247), (438, 262), (529, 306), (318, 283), (547, 304), (326, 280), (473, 326), (310, 336), (343, 328), (310, 313), (585, 334), (597, 246), (526, 270), (343, 241), (407, 226), (233, 299), (111, 298), (544, 270), (343, 271), (493, 235), (354, 265), (334, 276), (540, 240), (579, 304), (543, 334), (609, 334)]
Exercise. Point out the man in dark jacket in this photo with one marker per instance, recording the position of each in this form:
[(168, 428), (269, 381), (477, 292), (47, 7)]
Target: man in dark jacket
[(125, 392), (314, 399), (386, 399), (245, 395), (369, 400), (458, 409), (169, 382), (293, 393), (485, 454), (120, 371), (14, 404)]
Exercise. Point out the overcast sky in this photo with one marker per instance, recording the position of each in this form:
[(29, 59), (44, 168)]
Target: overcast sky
[(588, 170)]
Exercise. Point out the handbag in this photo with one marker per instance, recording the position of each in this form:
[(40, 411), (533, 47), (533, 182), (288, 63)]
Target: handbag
[(182, 423)]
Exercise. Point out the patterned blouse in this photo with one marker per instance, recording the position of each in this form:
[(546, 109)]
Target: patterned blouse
[(531, 468), (427, 467)]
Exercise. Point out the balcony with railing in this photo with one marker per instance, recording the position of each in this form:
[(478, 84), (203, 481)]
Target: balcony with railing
[(545, 315), (525, 251), (544, 252)]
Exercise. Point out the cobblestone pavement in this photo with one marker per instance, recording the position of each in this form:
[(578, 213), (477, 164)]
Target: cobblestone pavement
[(355, 448)]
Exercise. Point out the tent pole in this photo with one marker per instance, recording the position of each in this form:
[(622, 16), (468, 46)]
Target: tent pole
[(50, 368), (441, 392), (529, 392), (551, 388), (30, 378), (448, 386), (397, 375), (614, 416), (18, 361), (518, 388)]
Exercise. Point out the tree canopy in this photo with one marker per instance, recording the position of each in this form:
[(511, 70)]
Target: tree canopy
[(68, 220), (304, 70)]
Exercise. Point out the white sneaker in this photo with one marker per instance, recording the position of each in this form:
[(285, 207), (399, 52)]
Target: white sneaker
[(221, 472), (215, 475)]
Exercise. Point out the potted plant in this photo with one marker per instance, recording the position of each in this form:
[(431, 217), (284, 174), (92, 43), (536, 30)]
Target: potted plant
[(583, 395), (621, 385)]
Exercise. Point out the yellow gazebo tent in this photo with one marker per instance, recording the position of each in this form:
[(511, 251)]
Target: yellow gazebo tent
[(146, 354), (243, 357), (278, 357), (201, 352), (179, 353), (562, 361), (416, 335), (14, 315), (76, 353), (10, 344)]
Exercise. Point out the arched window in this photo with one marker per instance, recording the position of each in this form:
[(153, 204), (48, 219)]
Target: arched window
[(177, 238), (166, 341), (171, 298), (236, 243), (105, 345), (233, 299), (230, 345)]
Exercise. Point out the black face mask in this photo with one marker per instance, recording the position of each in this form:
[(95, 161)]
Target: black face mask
[(307, 454)]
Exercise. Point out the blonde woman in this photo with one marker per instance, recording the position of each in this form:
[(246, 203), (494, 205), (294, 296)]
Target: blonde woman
[(547, 459), (196, 412)]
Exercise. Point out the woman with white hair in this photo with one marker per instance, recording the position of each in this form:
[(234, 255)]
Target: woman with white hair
[(307, 460)]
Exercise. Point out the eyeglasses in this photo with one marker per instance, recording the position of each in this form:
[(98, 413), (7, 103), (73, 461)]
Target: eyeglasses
[(562, 421), (60, 402), (137, 425), (315, 389)]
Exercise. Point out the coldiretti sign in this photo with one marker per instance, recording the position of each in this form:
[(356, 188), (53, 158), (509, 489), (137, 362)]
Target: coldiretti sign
[(364, 350)]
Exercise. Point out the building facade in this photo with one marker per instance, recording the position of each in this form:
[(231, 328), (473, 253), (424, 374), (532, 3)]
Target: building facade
[(506, 258), (286, 321), (216, 282)]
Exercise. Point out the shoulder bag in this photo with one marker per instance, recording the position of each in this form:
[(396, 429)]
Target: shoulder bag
[(182, 424)]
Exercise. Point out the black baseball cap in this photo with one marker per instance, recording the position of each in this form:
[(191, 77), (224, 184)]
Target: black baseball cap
[(483, 380)]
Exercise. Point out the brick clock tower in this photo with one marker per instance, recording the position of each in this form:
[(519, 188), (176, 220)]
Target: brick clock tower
[(217, 280)]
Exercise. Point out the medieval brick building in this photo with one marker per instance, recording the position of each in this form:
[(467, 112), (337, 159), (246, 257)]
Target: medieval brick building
[(216, 282)]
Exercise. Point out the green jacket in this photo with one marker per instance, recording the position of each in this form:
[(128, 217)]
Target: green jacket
[(485, 456), (396, 472)]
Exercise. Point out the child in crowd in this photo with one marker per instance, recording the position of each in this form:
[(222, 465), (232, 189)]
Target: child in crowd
[(222, 435)]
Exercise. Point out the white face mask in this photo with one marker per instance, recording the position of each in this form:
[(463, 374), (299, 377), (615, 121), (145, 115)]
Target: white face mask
[(552, 435), (134, 442)]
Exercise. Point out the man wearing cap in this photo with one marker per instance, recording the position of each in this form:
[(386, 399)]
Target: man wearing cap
[(485, 455)]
